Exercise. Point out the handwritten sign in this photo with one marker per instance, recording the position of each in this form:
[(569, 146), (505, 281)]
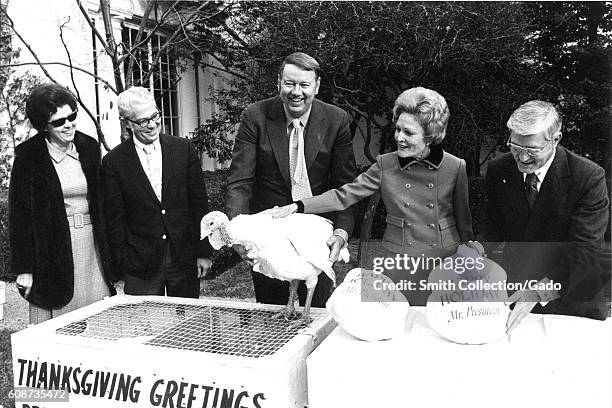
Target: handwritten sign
[(468, 306)]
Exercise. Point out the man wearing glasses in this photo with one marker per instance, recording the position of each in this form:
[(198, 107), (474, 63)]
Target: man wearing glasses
[(155, 198), (550, 207)]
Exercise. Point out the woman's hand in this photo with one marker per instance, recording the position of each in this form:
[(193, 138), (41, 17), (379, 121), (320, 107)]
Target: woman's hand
[(281, 212), (24, 282)]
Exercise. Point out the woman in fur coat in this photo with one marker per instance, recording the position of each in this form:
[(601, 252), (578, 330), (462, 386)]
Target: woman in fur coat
[(58, 251)]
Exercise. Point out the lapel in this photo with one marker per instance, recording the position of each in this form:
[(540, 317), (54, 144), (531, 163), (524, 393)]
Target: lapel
[(515, 193), (135, 169), (44, 169), (551, 194), (315, 132), (276, 130), (168, 154)]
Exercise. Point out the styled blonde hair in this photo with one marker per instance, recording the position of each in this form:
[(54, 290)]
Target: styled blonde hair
[(534, 117), (428, 107)]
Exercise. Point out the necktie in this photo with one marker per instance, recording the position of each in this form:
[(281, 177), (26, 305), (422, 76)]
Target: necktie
[(153, 171), (531, 189), (300, 185)]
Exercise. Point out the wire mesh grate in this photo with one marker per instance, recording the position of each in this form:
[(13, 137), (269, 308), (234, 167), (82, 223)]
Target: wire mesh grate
[(209, 328)]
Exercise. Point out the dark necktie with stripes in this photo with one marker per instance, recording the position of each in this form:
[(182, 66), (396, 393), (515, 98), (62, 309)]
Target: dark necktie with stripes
[(531, 189)]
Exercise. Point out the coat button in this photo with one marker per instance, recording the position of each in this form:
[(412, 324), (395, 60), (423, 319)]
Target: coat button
[(408, 185), (164, 236), (163, 212), (430, 205), (430, 185), (432, 226), (409, 225), (433, 245), (409, 244), (430, 167), (406, 204)]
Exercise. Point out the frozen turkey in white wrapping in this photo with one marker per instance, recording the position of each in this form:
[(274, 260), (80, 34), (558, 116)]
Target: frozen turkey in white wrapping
[(472, 308), (366, 312)]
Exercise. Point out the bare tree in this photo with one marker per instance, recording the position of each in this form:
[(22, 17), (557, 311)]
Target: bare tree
[(172, 19)]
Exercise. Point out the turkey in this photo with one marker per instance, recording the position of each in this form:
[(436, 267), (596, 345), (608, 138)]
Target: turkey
[(290, 249)]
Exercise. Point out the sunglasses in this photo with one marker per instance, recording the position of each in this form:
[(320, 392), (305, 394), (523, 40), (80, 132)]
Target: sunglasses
[(60, 122), (145, 122)]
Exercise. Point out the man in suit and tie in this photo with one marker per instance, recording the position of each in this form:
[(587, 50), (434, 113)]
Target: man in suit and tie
[(155, 197), (287, 148), (550, 207)]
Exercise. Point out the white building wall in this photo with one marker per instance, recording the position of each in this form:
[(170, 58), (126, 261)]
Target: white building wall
[(187, 101)]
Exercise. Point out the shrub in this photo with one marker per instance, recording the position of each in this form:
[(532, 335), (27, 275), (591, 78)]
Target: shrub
[(216, 184), (213, 138)]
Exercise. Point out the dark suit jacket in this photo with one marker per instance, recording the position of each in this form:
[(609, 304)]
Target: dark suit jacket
[(259, 175), (138, 224), (38, 227), (561, 237)]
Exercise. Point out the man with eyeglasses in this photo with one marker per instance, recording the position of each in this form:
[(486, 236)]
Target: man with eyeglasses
[(287, 148), (550, 208), (155, 198)]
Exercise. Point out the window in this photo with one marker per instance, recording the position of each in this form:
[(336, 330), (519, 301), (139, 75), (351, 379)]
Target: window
[(162, 82)]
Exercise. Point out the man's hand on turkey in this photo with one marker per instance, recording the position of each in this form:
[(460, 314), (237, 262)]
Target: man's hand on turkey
[(335, 244), (281, 212), (204, 265)]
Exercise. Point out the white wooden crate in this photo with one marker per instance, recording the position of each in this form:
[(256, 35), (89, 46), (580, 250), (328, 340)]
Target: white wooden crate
[(152, 351)]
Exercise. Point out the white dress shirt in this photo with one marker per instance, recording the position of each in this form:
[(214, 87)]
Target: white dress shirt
[(155, 172)]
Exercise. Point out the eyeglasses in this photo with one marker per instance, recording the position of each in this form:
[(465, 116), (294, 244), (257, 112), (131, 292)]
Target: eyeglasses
[(531, 151), (60, 122), (145, 122)]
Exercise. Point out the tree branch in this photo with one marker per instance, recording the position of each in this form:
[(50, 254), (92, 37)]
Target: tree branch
[(130, 67), (224, 70), (92, 25), (111, 44), (61, 34), (21, 64), (163, 48), (235, 36), (156, 27), (12, 26), (101, 137)]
